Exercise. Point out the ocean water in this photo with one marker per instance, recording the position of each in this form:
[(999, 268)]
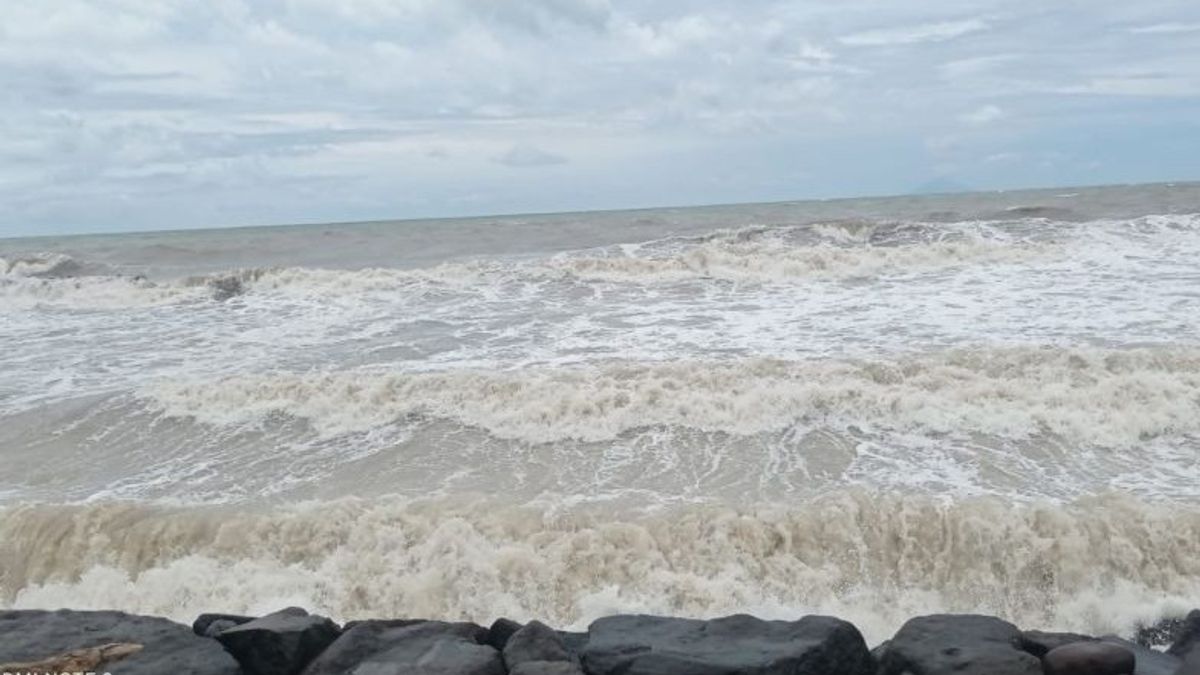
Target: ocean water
[(872, 408)]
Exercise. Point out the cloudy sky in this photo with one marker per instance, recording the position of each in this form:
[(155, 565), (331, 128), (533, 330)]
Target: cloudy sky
[(153, 114)]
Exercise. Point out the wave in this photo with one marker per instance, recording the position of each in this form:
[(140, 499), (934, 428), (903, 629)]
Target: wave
[(48, 266), (1088, 395), (1097, 565), (771, 255), (842, 250)]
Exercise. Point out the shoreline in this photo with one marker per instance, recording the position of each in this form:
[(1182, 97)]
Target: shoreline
[(294, 642)]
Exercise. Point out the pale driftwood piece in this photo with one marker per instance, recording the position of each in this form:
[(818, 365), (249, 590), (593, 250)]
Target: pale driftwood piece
[(88, 659)]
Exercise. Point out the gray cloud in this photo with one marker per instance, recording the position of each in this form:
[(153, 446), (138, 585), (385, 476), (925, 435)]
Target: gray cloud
[(235, 111)]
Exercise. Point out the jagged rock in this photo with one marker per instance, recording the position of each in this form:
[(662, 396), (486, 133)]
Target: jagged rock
[(208, 625), (1149, 661), (421, 648), (547, 668), (959, 644), (390, 623), (1161, 633), (1038, 642), (90, 659), (282, 643), (1191, 666), (30, 636), (574, 642), (652, 645), (535, 642), (1187, 640), (1089, 658), (501, 630)]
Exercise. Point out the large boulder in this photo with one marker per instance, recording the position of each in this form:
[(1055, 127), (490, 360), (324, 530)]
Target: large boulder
[(208, 625), (733, 645), (1039, 643), (1187, 639), (409, 648), (1089, 658), (1191, 665), (35, 636), (538, 649), (500, 631), (964, 644), (282, 643), (1149, 661)]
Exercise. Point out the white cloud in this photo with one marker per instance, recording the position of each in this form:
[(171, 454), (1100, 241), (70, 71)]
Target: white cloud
[(907, 35), (983, 115), (1166, 28), (161, 100), (1159, 86)]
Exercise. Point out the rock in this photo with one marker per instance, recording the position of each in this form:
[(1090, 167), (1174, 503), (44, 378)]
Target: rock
[(1191, 666), (390, 623), (1038, 642), (1161, 633), (652, 645), (421, 648), (33, 636), (1187, 640), (499, 633), (1149, 661), (547, 668), (282, 643), (208, 625), (964, 644), (574, 642), (90, 659), (1089, 658), (535, 642)]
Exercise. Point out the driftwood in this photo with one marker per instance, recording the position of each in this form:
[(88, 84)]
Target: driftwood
[(86, 660)]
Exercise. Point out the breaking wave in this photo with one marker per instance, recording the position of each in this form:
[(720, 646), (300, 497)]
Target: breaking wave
[(771, 256), (837, 250), (1089, 395), (1097, 565)]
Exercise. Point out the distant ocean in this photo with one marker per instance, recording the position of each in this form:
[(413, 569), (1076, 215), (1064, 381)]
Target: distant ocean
[(872, 408)]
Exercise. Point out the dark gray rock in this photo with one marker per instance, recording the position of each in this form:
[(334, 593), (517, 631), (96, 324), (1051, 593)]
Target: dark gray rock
[(547, 668), (420, 648), (574, 642), (1191, 665), (388, 623), (208, 625), (282, 643), (500, 631), (733, 645), (168, 647), (1187, 640), (535, 642), (963, 644), (1161, 633), (1089, 658), (1149, 661), (1038, 642)]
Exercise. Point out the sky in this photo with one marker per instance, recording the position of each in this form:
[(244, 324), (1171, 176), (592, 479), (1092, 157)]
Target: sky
[(164, 114)]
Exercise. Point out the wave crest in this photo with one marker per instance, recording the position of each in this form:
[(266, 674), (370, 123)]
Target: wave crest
[(1105, 397), (1098, 565)]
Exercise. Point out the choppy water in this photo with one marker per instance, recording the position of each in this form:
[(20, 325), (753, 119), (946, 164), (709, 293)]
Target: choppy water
[(871, 408)]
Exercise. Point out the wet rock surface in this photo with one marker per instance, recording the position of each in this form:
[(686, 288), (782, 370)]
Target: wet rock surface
[(294, 642), (33, 636)]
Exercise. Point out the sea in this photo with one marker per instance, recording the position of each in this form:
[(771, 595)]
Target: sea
[(870, 408)]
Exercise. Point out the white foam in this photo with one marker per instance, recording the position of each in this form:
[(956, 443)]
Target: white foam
[(1098, 565), (1095, 396)]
